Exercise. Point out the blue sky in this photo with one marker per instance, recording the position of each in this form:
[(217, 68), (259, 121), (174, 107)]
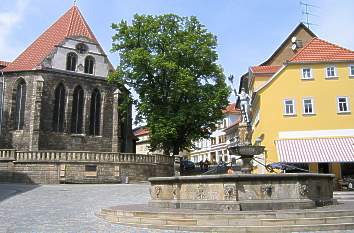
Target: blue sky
[(248, 32)]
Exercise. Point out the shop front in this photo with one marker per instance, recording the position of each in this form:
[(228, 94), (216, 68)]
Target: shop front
[(319, 155)]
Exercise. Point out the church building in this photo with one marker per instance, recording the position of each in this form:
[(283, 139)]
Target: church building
[(55, 95)]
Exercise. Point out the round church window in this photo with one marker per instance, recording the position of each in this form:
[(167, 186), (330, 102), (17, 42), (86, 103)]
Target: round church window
[(81, 48)]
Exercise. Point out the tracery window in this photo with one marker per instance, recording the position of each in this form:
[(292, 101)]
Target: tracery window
[(89, 64), (95, 113), (20, 105), (71, 60), (59, 109), (77, 110)]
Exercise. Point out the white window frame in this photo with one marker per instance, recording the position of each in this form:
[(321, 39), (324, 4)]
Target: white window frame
[(350, 71), (294, 107), (347, 103), (312, 103), (335, 72), (302, 73)]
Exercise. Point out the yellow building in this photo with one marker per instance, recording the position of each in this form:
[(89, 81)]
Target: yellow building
[(302, 110)]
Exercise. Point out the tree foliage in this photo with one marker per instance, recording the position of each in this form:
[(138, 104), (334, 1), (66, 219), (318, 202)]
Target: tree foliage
[(170, 62)]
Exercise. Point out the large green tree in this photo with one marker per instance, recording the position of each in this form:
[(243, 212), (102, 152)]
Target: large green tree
[(170, 62)]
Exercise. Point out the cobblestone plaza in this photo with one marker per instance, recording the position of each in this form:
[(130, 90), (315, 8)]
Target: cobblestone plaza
[(71, 208), (65, 208)]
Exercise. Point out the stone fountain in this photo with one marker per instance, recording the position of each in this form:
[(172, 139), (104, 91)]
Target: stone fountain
[(242, 147), (243, 191)]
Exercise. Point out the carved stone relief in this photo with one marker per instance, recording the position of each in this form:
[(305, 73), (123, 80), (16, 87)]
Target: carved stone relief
[(267, 189), (174, 192), (229, 192), (201, 192), (157, 191), (303, 190)]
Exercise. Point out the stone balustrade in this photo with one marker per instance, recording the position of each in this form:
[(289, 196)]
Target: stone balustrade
[(83, 156), (8, 154)]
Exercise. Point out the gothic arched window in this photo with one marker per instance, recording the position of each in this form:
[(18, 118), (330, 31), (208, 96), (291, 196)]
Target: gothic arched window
[(20, 104), (95, 113), (89, 64), (71, 60), (59, 109), (77, 110)]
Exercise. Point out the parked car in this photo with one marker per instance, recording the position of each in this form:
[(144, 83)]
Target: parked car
[(187, 165)]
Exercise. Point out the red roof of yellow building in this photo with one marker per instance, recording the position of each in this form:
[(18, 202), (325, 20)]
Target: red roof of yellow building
[(264, 69), (71, 24), (318, 50)]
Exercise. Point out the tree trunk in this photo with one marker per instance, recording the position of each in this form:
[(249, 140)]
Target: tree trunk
[(166, 150), (175, 150)]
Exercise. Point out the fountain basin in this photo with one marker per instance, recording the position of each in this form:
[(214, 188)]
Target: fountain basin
[(242, 191), (245, 150)]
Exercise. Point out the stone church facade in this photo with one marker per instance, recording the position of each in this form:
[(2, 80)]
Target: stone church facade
[(55, 95)]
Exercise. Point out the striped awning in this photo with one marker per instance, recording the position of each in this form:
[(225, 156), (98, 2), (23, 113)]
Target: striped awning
[(316, 150)]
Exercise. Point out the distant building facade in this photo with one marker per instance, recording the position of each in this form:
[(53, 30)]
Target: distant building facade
[(141, 134), (215, 148), (143, 141)]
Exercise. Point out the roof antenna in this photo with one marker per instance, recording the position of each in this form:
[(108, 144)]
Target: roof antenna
[(307, 8), (74, 2)]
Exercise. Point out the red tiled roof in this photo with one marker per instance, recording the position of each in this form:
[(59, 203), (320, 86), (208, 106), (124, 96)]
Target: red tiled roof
[(264, 69), (231, 108), (318, 50), (71, 24), (141, 131), (4, 63)]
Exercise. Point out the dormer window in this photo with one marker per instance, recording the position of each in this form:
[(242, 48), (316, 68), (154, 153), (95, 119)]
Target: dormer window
[(89, 64), (71, 60), (81, 48)]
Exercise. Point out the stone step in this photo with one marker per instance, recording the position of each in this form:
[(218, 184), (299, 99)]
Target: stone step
[(179, 225), (234, 215), (169, 220), (339, 217)]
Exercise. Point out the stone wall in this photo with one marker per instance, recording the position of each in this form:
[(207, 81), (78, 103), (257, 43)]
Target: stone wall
[(50, 140), (53, 167), (38, 134), (11, 138)]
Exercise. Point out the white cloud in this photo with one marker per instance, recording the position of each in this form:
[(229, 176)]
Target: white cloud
[(336, 22), (9, 19)]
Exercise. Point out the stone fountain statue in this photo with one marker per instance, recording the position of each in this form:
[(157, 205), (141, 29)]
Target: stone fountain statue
[(245, 103), (242, 145)]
